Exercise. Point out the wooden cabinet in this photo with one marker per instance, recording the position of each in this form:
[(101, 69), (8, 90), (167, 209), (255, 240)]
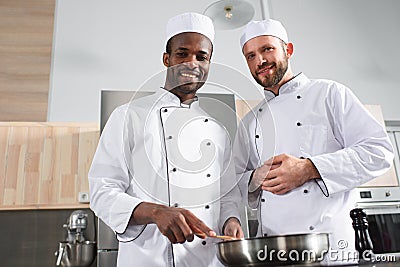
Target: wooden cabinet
[(45, 164), (26, 36)]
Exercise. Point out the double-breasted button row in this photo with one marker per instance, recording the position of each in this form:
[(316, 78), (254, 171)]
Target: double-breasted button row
[(176, 205), (299, 123), (208, 175), (169, 137), (259, 110)]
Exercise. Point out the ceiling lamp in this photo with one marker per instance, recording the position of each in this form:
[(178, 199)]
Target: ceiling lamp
[(230, 14)]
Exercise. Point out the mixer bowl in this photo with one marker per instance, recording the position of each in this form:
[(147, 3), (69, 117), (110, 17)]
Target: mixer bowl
[(79, 254)]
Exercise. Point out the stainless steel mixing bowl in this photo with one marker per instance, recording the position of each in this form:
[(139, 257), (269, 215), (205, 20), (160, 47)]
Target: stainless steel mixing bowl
[(274, 250), (79, 254)]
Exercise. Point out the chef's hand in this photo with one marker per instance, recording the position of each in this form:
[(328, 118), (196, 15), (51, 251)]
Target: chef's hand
[(287, 173), (233, 228), (259, 175), (179, 225)]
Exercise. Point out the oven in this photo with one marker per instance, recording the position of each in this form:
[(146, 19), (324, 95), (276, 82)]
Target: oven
[(380, 199), (383, 226)]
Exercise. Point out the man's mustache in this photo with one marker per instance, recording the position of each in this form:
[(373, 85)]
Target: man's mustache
[(265, 65)]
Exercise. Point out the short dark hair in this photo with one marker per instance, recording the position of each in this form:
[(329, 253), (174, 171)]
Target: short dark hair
[(283, 44), (168, 46)]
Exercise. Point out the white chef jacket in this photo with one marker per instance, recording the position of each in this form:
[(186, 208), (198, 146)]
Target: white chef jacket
[(158, 150), (321, 120)]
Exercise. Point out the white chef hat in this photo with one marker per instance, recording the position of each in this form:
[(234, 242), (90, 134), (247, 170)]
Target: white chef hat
[(190, 22), (265, 27)]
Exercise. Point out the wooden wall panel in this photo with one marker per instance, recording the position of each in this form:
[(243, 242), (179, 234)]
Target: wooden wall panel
[(244, 106), (45, 164), (26, 35)]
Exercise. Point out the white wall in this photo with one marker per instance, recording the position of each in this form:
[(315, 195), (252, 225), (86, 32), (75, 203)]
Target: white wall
[(354, 42), (119, 45)]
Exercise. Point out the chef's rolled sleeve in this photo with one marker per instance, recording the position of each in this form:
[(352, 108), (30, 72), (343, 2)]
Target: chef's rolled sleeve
[(348, 168)]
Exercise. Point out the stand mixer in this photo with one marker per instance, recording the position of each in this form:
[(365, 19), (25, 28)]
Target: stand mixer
[(76, 251), (76, 224)]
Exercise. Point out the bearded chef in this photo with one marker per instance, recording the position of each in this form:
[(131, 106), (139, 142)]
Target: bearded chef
[(305, 147), (162, 175)]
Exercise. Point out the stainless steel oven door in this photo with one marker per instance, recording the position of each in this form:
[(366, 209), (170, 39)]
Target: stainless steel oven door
[(384, 226), (107, 246), (107, 258)]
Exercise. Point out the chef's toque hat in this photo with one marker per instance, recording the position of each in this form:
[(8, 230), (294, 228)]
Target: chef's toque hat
[(265, 27), (190, 22)]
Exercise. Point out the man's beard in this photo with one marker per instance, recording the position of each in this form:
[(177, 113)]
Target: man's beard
[(272, 80)]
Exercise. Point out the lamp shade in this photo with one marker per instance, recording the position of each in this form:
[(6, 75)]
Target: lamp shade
[(230, 14)]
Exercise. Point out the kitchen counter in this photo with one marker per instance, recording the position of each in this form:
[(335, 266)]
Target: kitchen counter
[(45, 207), (31, 236)]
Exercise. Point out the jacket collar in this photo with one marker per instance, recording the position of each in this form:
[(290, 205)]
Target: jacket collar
[(166, 98), (290, 86)]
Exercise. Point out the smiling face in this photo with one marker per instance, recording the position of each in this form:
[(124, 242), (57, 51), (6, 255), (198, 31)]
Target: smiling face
[(188, 62), (268, 61)]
